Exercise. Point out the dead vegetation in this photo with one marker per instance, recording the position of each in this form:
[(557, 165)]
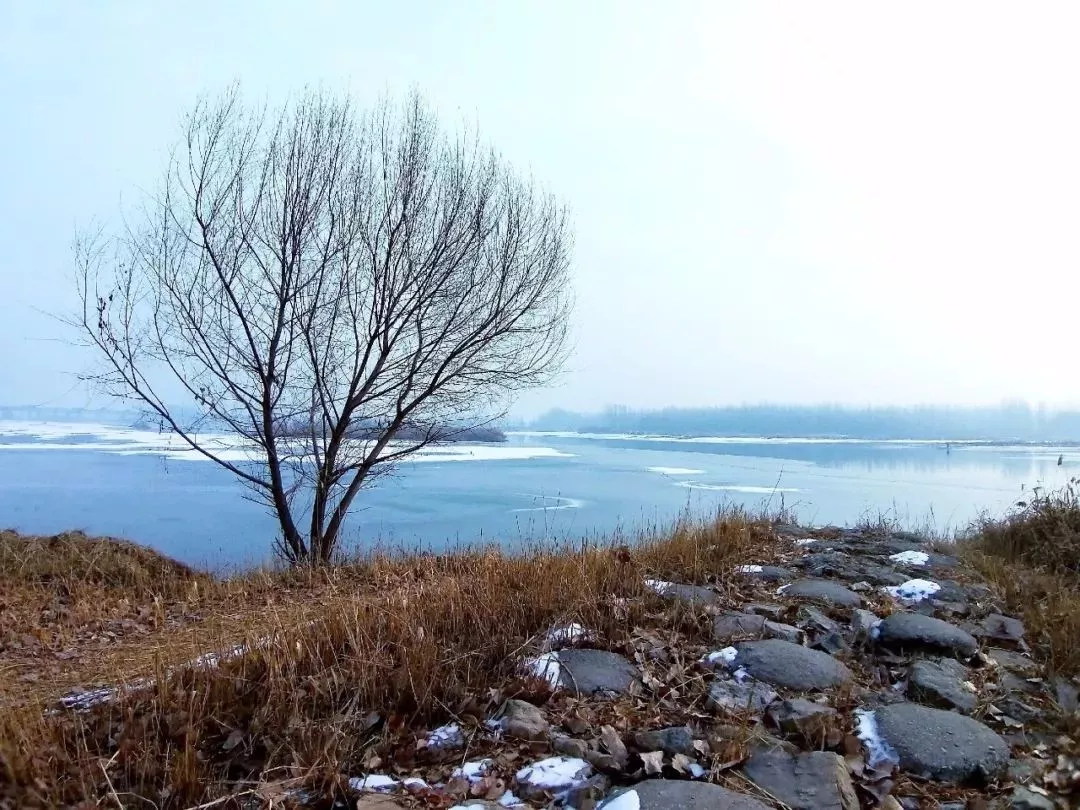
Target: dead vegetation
[(1033, 557), (343, 663)]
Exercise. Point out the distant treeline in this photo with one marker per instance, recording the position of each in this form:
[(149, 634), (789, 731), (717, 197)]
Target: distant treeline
[(1004, 423)]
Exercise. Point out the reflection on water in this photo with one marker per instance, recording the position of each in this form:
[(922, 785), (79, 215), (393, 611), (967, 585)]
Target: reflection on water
[(534, 489)]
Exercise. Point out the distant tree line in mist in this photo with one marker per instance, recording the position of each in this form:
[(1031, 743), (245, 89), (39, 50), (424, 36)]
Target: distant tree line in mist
[(1020, 422)]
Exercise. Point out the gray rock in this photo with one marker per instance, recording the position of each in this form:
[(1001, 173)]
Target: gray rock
[(825, 591), (664, 794), (916, 630), (803, 717), (942, 745), (1013, 661), (997, 627), (782, 663), (729, 625), (831, 643), (862, 622), (748, 696), (811, 619), (674, 740), (1024, 799), (941, 683), (588, 793), (769, 610), (1067, 695), (569, 746), (814, 781), (596, 671), (522, 719), (690, 594), (784, 632), (770, 573)]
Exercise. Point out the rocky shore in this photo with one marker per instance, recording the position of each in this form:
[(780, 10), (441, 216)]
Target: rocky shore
[(857, 668)]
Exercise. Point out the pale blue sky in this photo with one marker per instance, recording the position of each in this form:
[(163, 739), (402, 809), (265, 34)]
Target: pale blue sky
[(797, 202)]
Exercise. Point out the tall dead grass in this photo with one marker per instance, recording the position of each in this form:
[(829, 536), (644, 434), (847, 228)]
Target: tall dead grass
[(357, 654)]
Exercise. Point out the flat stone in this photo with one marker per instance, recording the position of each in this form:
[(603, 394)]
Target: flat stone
[(803, 717), (941, 683), (1013, 661), (522, 719), (746, 696), (769, 610), (595, 671), (674, 740), (769, 573), (850, 569), (788, 665), (825, 591), (811, 619), (1024, 799), (730, 625), (831, 643), (569, 746), (997, 627), (942, 745), (665, 794), (813, 781), (916, 630), (783, 631)]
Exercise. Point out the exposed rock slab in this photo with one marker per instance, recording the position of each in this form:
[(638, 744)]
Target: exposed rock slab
[(917, 630), (824, 591), (791, 666), (941, 683), (687, 594), (803, 717), (664, 794), (813, 781), (1013, 661), (674, 740), (590, 672), (1002, 629), (740, 696), (942, 745), (731, 624)]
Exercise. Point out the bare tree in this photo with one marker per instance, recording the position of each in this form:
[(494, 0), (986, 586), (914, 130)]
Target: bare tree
[(334, 289)]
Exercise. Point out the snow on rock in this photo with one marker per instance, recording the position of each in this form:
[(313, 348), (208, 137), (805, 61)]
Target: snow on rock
[(875, 630), (911, 557), (508, 799), (809, 541), (374, 783), (725, 657), (445, 738), (748, 569), (475, 770), (659, 586), (878, 751), (567, 634), (783, 588), (554, 775), (627, 800), (914, 590), (546, 667), (697, 771)]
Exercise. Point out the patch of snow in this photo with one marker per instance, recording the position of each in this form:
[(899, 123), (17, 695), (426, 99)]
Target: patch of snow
[(675, 471), (508, 799), (557, 775), (659, 586), (697, 772), (809, 541), (878, 751), (875, 630), (567, 634), (745, 489), (446, 737), (741, 675), (559, 503), (748, 569), (911, 557), (546, 667), (474, 770), (725, 656), (624, 801), (783, 588), (374, 783), (914, 590)]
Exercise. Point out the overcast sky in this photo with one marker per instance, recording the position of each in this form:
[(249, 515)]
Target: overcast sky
[(796, 202)]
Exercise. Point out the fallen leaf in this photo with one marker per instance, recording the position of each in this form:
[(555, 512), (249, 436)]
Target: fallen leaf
[(654, 762), (234, 739)]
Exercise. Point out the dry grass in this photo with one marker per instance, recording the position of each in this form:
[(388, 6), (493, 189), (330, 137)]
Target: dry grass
[(1033, 557), (412, 640)]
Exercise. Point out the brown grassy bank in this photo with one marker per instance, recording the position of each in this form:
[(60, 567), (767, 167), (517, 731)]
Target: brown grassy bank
[(1033, 557), (343, 661)]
